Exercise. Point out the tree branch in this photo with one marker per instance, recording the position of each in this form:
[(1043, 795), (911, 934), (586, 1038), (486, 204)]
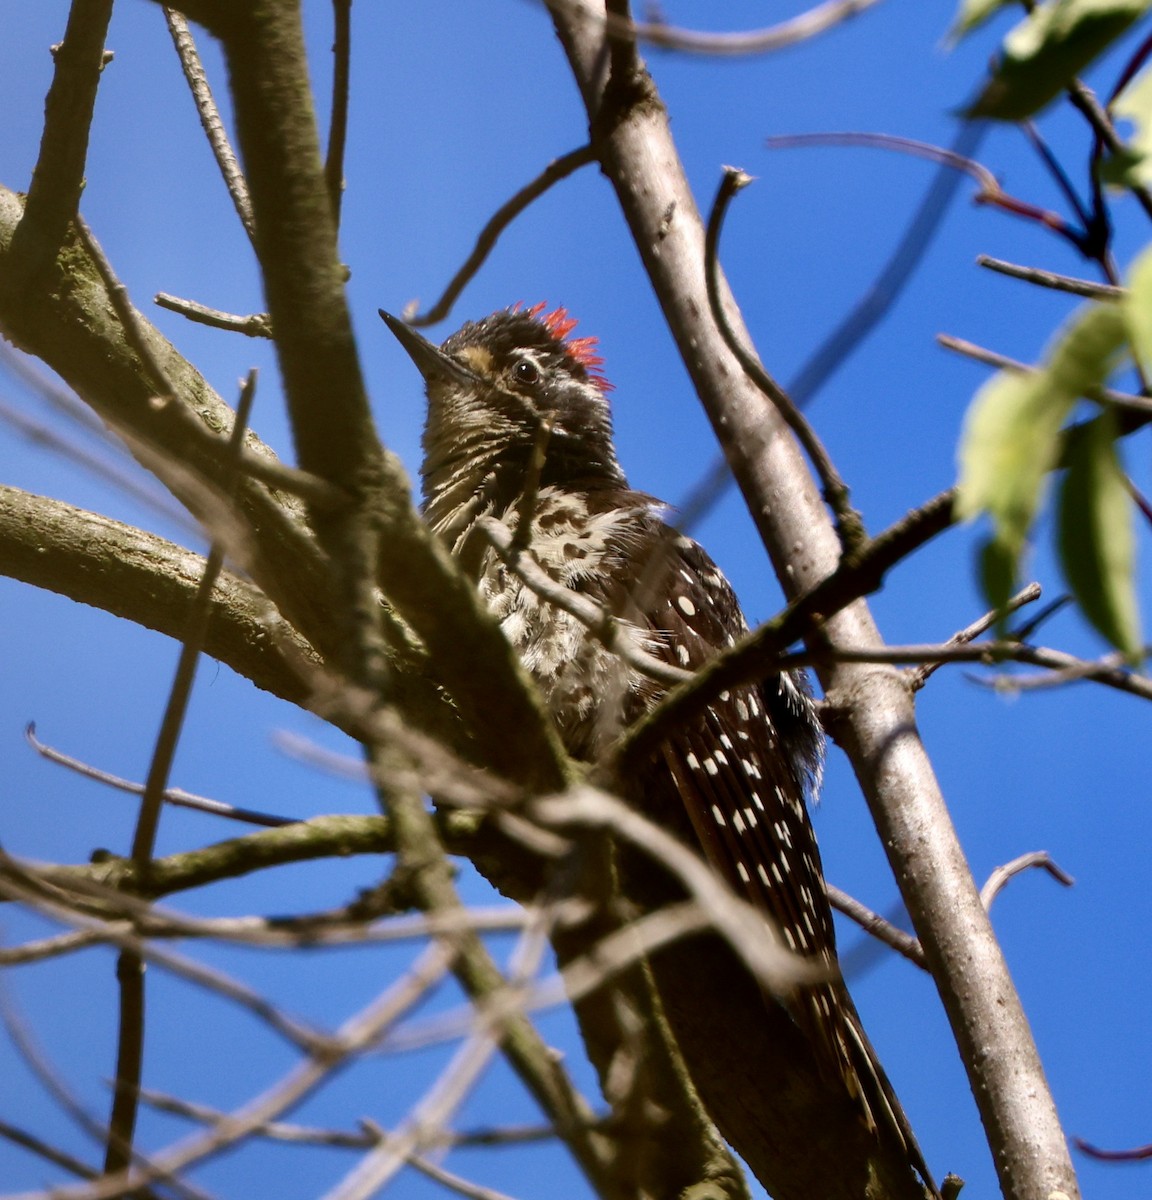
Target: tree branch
[(58, 178), (631, 135)]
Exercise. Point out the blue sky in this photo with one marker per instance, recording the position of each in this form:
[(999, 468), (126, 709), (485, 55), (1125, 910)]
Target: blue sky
[(454, 107)]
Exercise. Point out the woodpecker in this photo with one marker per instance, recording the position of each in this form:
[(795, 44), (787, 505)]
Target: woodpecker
[(519, 429)]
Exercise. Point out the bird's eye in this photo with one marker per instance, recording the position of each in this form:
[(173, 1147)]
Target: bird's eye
[(526, 371)]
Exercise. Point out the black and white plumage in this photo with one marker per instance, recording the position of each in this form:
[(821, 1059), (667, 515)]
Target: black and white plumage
[(519, 429)]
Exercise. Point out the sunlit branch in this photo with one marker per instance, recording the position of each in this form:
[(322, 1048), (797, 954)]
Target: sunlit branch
[(559, 169), (210, 120), (918, 676), (835, 491), (815, 21), (53, 199), (1002, 876), (338, 123), (873, 923), (252, 325), (990, 358)]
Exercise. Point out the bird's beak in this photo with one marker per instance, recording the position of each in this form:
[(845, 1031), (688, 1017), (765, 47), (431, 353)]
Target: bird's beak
[(430, 360)]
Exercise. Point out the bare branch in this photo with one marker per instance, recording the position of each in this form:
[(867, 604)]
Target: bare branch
[(556, 170), (174, 796), (359, 1031), (883, 292), (454, 1182), (149, 580), (1135, 1154), (210, 120), (1049, 279), (49, 947), (919, 677), (762, 652), (252, 325), (54, 194), (1122, 400), (873, 923), (1060, 668), (1002, 876), (742, 926), (130, 965), (990, 193), (878, 725), (817, 20), (498, 1015), (361, 1139), (21, 1137), (338, 124), (835, 491)]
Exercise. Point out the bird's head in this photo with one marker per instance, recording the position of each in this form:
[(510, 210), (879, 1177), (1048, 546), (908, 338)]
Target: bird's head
[(504, 388)]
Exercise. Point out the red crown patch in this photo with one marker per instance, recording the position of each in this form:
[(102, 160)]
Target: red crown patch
[(583, 349)]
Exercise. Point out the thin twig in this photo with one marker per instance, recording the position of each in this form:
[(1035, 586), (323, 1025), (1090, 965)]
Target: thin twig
[(817, 20), (49, 947), (1062, 669), (918, 676), (1084, 99), (125, 312), (363, 1029), (364, 1138), (253, 325), (45, 437), (556, 170), (880, 296), (864, 316), (165, 751), (743, 926), (604, 961), (499, 1011), (1024, 631), (1002, 876), (834, 489), (360, 1139), (57, 1087), (1050, 279), (30, 1142), (210, 119), (990, 190), (1089, 218), (991, 358), (174, 796), (23, 883), (338, 123), (454, 1182), (329, 836), (130, 966), (873, 923), (1135, 1154)]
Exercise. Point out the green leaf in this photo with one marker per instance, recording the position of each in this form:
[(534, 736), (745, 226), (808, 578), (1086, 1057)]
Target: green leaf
[(1133, 165), (1137, 310), (1011, 435), (1096, 535), (1048, 49), (973, 14), (998, 573)]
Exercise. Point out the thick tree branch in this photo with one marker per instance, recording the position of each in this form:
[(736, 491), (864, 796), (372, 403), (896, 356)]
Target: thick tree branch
[(631, 134), (58, 179), (150, 581)]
